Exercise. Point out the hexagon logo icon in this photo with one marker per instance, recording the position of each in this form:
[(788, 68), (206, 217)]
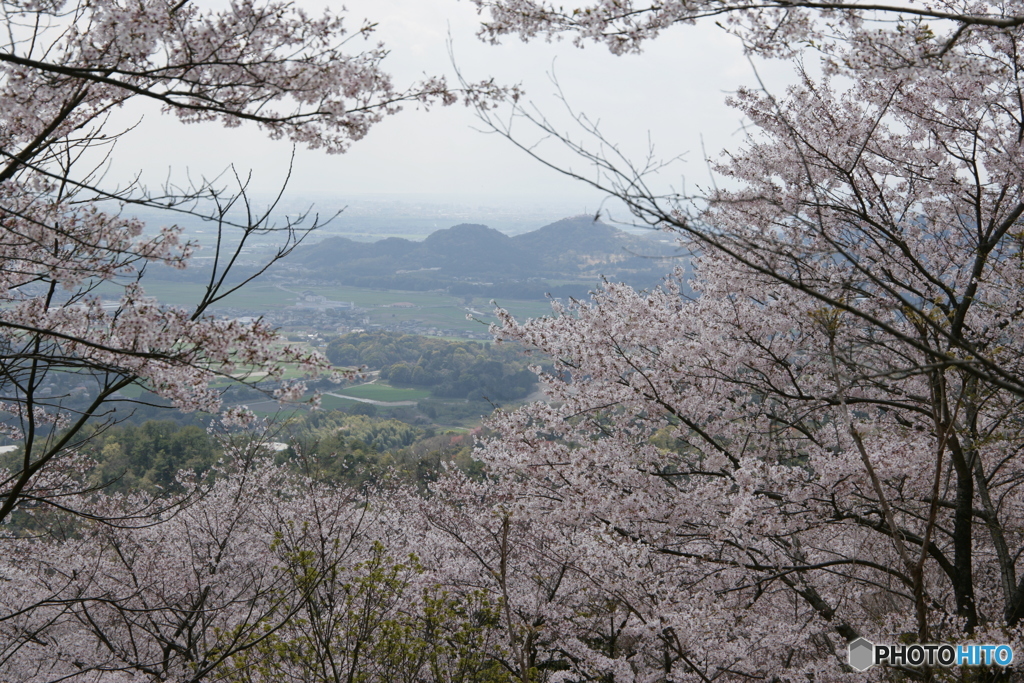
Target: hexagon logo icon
[(861, 654)]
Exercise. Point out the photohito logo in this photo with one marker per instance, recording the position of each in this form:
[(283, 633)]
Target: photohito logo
[(863, 654)]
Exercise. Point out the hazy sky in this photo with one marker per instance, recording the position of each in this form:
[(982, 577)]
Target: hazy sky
[(669, 96)]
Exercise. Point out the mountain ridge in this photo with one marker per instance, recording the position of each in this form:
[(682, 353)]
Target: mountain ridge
[(577, 248)]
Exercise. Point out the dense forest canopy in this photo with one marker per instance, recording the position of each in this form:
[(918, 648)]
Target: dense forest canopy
[(453, 369), (332, 446)]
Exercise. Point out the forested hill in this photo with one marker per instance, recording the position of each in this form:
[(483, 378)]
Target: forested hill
[(449, 369), (574, 249)]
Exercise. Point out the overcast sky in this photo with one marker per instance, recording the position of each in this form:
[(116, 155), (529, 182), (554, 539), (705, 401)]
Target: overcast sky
[(671, 96)]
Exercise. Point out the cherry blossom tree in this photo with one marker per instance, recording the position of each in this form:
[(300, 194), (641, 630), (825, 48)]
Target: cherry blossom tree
[(823, 442), (261, 575), (182, 594), (64, 67), (135, 586), (471, 543), (773, 27)]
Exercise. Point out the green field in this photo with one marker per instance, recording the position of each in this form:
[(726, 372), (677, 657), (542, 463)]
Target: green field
[(431, 309), (335, 403), (451, 313), (433, 305), (384, 392)]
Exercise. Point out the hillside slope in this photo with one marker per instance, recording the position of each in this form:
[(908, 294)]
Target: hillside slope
[(577, 249)]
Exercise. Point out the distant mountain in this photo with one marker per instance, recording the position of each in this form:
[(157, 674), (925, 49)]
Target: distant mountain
[(469, 258), (589, 247), (576, 232), (474, 251)]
